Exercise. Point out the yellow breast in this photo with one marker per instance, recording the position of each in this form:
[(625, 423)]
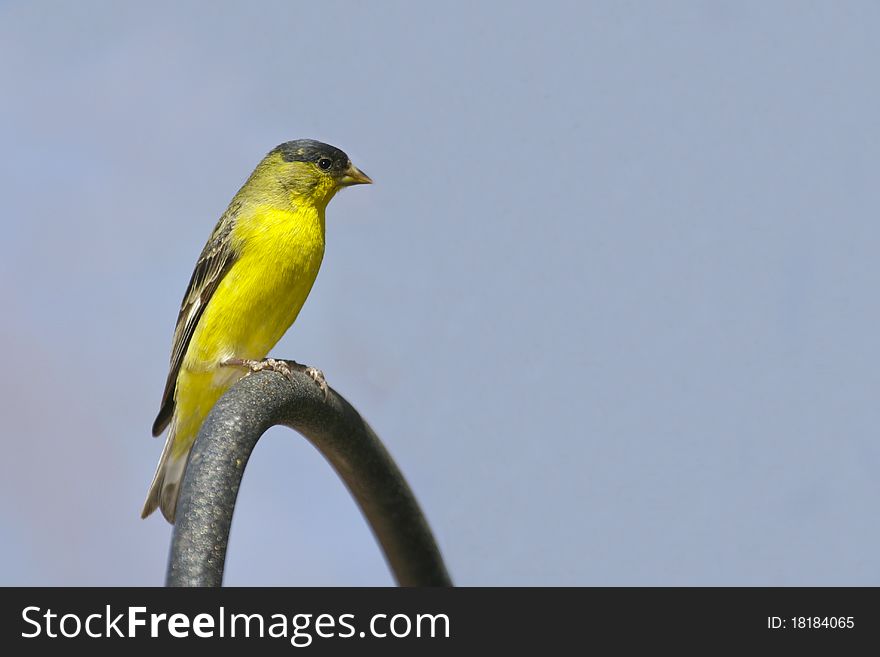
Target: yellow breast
[(280, 252)]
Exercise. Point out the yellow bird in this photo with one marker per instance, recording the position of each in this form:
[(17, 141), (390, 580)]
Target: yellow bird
[(249, 284)]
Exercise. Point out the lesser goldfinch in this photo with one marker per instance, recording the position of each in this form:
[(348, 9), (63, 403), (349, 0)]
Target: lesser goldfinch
[(249, 284)]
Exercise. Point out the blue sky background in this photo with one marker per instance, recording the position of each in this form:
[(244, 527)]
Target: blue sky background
[(611, 303)]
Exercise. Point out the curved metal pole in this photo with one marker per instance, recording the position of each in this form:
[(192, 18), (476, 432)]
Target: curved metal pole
[(220, 454)]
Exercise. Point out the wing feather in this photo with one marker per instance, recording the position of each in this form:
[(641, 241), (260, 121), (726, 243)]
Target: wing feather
[(216, 259)]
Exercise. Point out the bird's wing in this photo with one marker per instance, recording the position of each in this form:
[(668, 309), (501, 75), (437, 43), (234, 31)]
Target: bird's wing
[(216, 259)]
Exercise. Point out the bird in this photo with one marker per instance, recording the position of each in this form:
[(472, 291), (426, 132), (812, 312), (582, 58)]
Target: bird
[(249, 284)]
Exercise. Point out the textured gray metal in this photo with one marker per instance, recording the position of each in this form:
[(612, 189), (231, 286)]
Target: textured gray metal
[(336, 429)]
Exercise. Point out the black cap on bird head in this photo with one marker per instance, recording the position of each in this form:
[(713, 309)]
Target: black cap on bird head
[(309, 150), (326, 157)]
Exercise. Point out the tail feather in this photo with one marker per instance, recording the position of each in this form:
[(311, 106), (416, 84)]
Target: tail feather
[(165, 487)]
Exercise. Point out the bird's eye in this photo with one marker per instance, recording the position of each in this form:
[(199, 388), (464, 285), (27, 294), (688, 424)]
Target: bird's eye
[(325, 163)]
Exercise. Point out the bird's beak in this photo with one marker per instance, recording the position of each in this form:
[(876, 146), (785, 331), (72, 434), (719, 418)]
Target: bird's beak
[(354, 176)]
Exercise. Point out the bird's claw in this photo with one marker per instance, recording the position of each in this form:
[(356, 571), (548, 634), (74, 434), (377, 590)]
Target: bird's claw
[(318, 377), (283, 367), (265, 365)]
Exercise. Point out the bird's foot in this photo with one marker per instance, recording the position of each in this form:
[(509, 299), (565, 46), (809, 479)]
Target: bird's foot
[(265, 365), (284, 367), (318, 377)]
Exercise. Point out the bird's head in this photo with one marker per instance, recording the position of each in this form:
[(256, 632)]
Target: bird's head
[(308, 171)]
